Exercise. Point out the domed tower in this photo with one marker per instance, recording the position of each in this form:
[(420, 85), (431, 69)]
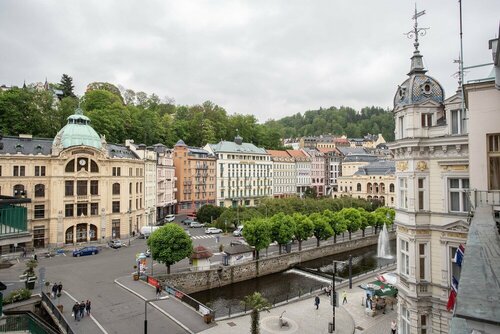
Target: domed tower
[(432, 182), (76, 132)]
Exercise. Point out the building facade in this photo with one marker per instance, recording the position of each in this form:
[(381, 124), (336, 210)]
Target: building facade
[(195, 177), (317, 171), (302, 170), (82, 188), (284, 174), (333, 159), (244, 173), (432, 208), (165, 182)]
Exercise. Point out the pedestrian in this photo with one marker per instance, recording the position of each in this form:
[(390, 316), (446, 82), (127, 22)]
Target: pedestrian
[(394, 326), (76, 311), (158, 291), (344, 296), (316, 302), (59, 289), (54, 290), (24, 251), (35, 257), (81, 308), (87, 307)]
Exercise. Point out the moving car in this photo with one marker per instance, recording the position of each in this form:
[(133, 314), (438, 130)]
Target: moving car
[(213, 230), (238, 231), (169, 218), (196, 224), (115, 244), (187, 221), (89, 250)]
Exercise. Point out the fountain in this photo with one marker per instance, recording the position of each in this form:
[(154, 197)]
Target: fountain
[(383, 250)]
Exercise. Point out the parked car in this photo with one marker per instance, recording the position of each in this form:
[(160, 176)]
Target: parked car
[(240, 241), (115, 244), (89, 250), (213, 230), (169, 218), (196, 224)]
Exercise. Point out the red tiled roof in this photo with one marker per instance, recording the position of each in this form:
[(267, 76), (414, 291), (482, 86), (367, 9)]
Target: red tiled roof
[(278, 153), (297, 153)]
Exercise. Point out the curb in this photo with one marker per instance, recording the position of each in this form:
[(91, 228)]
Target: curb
[(180, 324)]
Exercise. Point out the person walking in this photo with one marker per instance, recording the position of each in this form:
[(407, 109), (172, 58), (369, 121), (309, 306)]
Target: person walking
[(24, 251), (394, 326), (87, 307), (54, 290), (158, 290), (344, 296), (59, 288), (81, 308), (76, 311), (316, 302)]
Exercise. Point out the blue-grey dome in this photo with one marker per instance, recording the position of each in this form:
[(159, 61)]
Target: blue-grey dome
[(78, 132), (418, 88)]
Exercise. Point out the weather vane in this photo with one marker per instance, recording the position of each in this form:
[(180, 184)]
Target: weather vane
[(416, 31)]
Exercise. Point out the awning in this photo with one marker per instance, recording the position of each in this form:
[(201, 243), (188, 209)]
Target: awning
[(381, 289), (389, 278)]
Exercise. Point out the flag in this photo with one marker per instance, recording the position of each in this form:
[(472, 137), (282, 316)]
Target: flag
[(451, 300), (459, 255), (454, 284)]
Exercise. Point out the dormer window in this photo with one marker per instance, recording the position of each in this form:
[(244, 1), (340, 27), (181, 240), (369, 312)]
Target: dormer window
[(402, 93), (426, 87)]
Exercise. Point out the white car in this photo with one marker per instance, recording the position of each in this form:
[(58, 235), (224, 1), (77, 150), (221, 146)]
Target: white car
[(213, 230), (169, 218)]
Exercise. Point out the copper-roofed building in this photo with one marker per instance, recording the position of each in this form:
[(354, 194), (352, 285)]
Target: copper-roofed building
[(285, 178)]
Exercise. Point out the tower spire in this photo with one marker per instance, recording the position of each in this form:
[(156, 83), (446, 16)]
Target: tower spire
[(417, 64)]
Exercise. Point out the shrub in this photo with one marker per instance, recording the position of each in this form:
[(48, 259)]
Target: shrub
[(17, 296)]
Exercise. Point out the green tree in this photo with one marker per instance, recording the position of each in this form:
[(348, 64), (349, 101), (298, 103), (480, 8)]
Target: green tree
[(383, 215), (322, 230), (337, 223), (66, 86), (367, 219), (208, 213), (257, 233), (170, 244), (282, 229), (107, 87), (99, 100), (304, 228), (310, 193), (256, 303), (352, 218)]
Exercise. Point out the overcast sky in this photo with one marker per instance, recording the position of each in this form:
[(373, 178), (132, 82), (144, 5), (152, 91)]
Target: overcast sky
[(261, 57)]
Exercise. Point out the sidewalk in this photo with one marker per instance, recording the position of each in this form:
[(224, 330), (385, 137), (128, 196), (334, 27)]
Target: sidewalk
[(185, 316)]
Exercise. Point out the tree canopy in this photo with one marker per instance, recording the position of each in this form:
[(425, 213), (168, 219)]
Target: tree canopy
[(257, 233), (170, 244)]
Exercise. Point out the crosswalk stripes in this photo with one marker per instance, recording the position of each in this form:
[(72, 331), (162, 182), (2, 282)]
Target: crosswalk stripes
[(203, 236)]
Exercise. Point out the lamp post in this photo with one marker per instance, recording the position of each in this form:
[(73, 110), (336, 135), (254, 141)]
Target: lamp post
[(146, 302), (334, 299)]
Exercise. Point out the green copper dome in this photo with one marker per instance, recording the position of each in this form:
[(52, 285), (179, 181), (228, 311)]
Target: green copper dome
[(79, 132)]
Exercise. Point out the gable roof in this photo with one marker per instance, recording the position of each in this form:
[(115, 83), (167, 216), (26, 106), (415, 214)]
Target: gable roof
[(232, 147)]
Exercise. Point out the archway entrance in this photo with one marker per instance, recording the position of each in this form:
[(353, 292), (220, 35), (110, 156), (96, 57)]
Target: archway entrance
[(93, 232), (81, 233), (69, 235)]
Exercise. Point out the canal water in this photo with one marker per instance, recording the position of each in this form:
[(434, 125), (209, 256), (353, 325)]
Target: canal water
[(291, 283)]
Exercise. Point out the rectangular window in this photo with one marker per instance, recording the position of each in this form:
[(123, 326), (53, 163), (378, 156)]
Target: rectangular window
[(403, 193), (405, 320), (423, 324), (116, 171), (455, 269), (405, 258), (494, 162), (458, 194), (81, 209), (426, 120), (15, 171), (68, 188), (94, 187), (422, 257), (0, 170), (116, 206), (39, 211), (39, 170), (22, 171), (115, 228), (69, 210), (421, 193), (458, 122), (81, 188), (401, 127)]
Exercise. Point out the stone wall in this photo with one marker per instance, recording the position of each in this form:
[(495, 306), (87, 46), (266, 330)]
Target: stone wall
[(224, 275)]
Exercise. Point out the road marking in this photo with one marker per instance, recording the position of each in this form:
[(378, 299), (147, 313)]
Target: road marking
[(203, 236), (91, 316)]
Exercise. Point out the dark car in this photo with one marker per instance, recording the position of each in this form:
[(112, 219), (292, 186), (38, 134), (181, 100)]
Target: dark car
[(187, 221), (89, 250)]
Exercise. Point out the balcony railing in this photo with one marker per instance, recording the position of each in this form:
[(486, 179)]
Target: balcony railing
[(481, 198)]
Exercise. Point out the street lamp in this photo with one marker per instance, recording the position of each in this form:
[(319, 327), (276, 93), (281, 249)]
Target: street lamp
[(146, 302), (334, 294)]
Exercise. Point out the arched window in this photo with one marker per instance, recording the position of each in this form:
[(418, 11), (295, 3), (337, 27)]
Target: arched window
[(391, 187), (116, 189), (70, 166), (93, 167), (358, 187), (39, 190), (382, 187), (369, 188), (19, 190)]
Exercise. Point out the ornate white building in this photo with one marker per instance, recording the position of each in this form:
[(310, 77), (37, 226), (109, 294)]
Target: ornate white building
[(284, 174), (432, 207)]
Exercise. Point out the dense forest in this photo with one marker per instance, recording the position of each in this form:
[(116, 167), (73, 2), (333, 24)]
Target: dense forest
[(120, 114)]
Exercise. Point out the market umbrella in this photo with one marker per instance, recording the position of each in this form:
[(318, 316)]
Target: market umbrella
[(381, 289)]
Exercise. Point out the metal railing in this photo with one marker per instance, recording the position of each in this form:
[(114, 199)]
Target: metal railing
[(484, 197), (57, 313), (185, 298), (24, 322)]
